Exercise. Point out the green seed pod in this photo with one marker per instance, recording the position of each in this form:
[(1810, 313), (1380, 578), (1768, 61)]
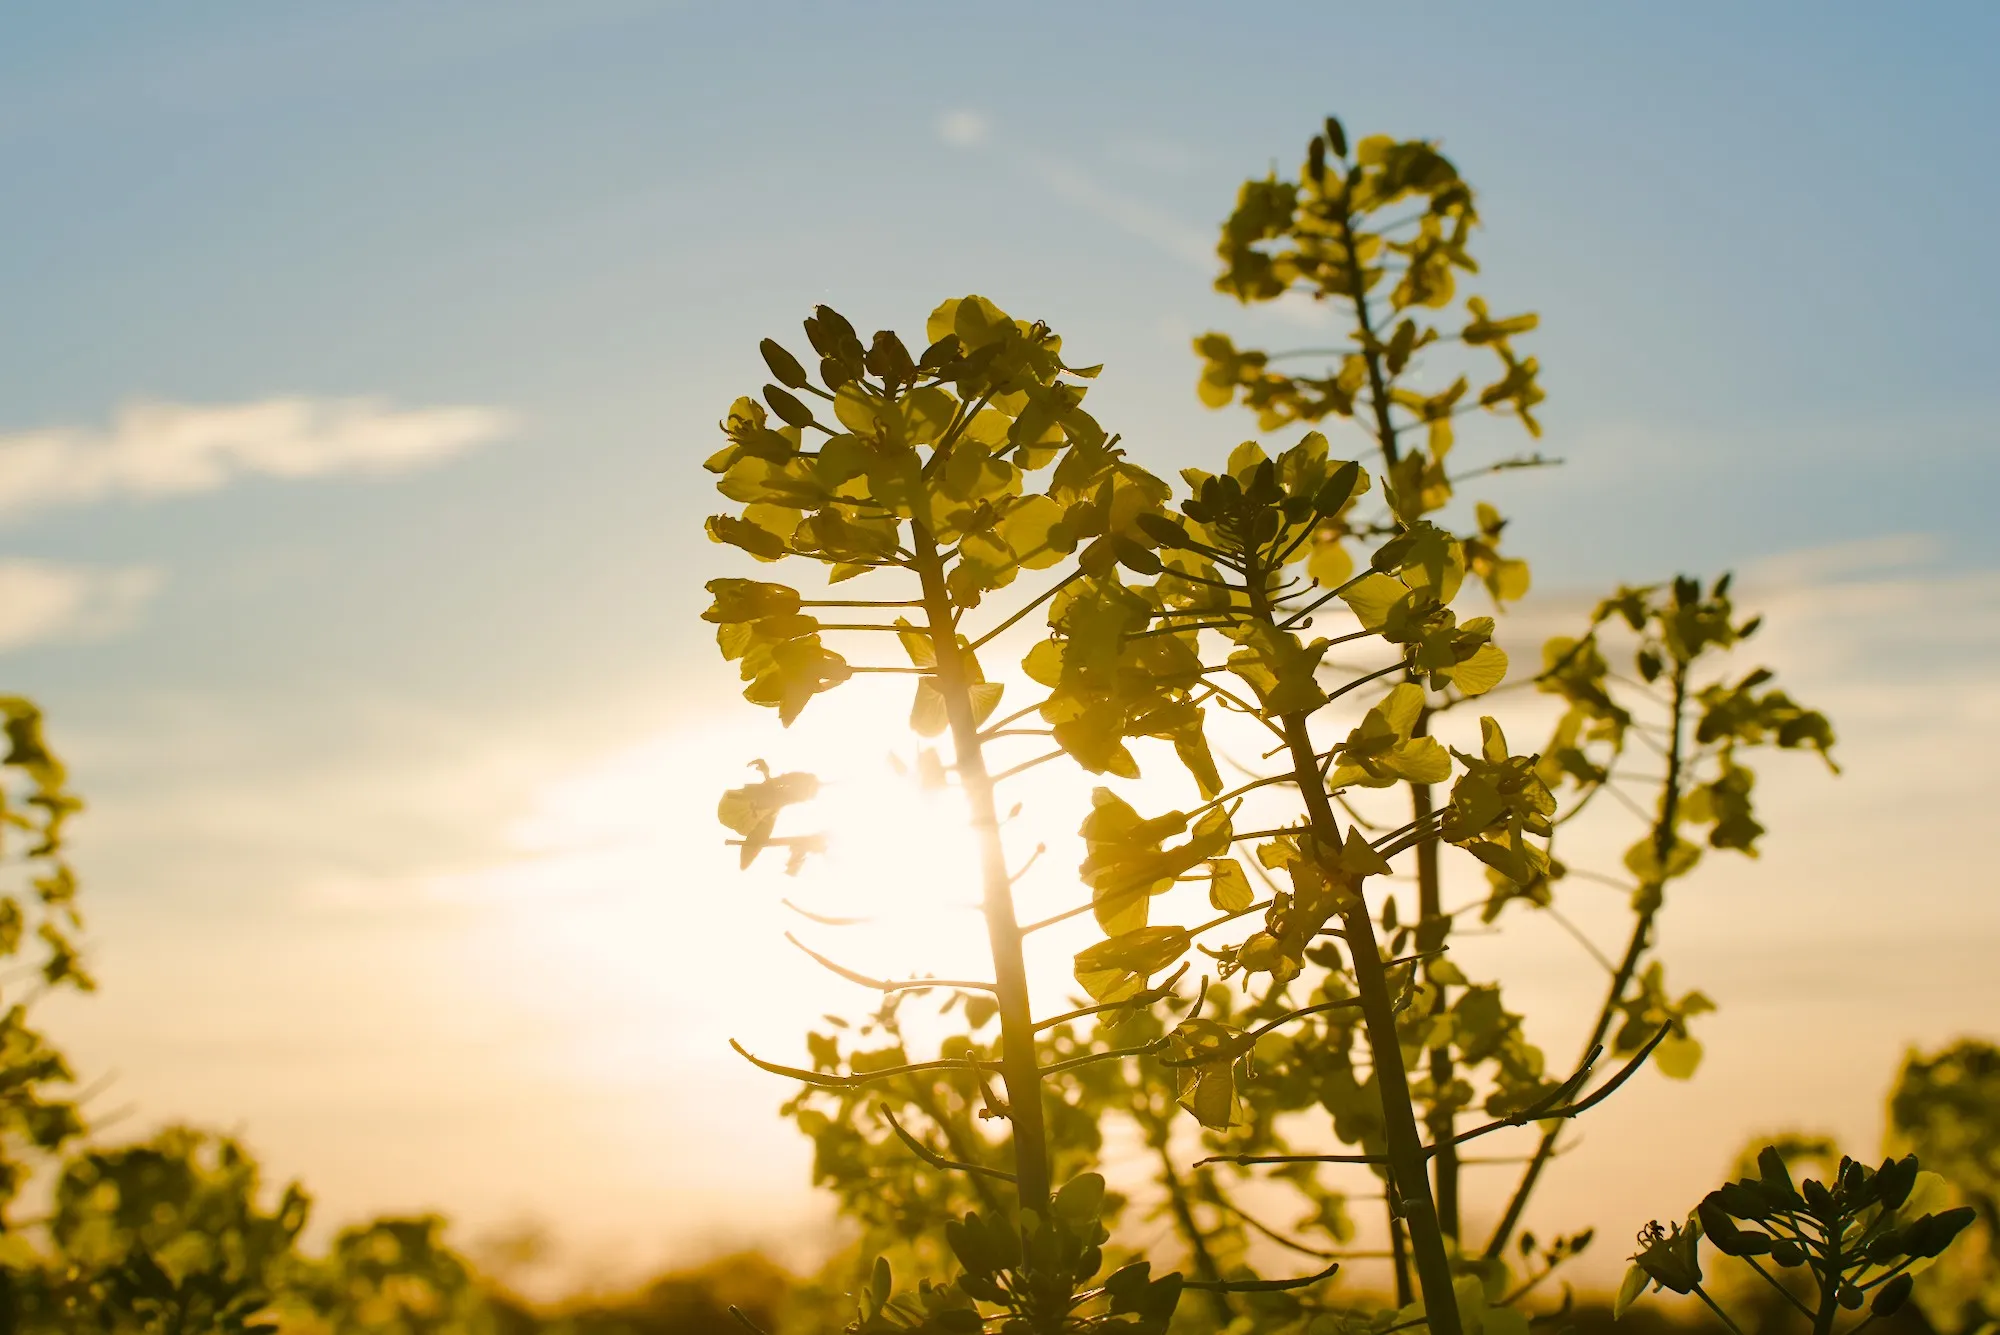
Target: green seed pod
[(1336, 137), (783, 365), (787, 407), (1889, 1299)]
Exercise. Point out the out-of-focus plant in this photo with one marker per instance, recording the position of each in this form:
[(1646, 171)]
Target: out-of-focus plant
[(1848, 1249), (1946, 1109), (39, 920)]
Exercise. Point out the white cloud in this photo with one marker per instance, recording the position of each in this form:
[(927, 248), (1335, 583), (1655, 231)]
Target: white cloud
[(1134, 217), (163, 449), (41, 602), (964, 128)]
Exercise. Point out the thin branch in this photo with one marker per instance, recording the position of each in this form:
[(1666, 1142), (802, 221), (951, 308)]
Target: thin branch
[(1028, 607), (1028, 765), (1014, 717), (1140, 1050), (1582, 940), (1159, 992), (1248, 1038), (1321, 601), (1772, 1280), (1055, 918), (932, 1157), (834, 1080), (1260, 1285), (1176, 630), (1397, 666), (1540, 1111), (1241, 789), (1214, 923), (1269, 1232), (822, 919), (1243, 707), (882, 985), (861, 602), (1033, 858), (1702, 1294)]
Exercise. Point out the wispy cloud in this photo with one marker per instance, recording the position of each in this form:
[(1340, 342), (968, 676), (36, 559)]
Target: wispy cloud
[(40, 602), (1188, 244), (968, 129), (164, 449), (964, 128)]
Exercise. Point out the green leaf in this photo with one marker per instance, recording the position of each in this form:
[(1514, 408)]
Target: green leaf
[(1080, 1200), (1228, 887), (928, 715), (1373, 597), (1629, 1291), (1359, 857), (1480, 673), (1116, 969), (1677, 1056)]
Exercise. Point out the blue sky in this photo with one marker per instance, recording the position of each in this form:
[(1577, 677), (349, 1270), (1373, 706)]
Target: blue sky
[(1756, 235)]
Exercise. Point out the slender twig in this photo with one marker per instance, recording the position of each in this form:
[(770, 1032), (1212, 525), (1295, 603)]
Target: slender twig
[(1033, 858), (855, 1080), (822, 919), (932, 1157), (1014, 717), (1577, 932), (1028, 765), (1026, 608), (861, 602), (1702, 1294), (1772, 1280), (882, 985), (1088, 1058), (1359, 682), (1214, 923), (1261, 1285), (1540, 1111), (1248, 1038), (1269, 1232), (1055, 918), (1160, 991)]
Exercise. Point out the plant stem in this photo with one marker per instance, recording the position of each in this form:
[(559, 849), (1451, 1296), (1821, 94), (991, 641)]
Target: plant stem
[(1197, 1242), (1409, 1180), (1665, 827), (1829, 1283), (1020, 1070), (1429, 1222), (1399, 1250), (1431, 921)]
